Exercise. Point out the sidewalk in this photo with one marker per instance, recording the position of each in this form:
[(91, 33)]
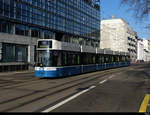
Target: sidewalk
[(16, 72)]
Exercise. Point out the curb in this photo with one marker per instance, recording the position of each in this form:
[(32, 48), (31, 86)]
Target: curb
[(15, 72)]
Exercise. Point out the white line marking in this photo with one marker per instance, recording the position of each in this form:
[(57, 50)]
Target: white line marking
[(67, 100), (110, 77), (103, 81)]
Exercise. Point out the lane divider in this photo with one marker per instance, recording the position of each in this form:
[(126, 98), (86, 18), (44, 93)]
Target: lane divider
[(103, 81), (67, 100), (111, 77), (145, 103), (73, 97)]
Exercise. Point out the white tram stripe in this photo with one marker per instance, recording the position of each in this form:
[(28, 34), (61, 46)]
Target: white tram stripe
[(67, 100)]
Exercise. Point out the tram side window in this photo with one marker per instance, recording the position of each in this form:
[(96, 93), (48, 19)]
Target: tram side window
[(102, 60), (94, 59), (64, 59), (56, 59), (116, 59), (98, 60), (122, 58), (84, 58), (78, 59), (74, 59), (70, 58), (88, 58), (107, 59), (112, 58)]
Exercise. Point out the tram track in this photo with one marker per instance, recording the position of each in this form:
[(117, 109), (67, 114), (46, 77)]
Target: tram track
[(21, 81), (18, 81), (39, 80), (43, 96), (56, 89)]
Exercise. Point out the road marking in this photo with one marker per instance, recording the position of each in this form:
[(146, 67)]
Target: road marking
[(111, 76), (103, 81), (67, 100), (145, 103), (71, 98)]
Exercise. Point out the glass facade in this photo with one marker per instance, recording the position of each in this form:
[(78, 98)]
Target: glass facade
[(14, 53), (57, 19)]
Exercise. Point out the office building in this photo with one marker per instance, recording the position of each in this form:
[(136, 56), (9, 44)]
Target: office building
[(140, 50), (22, 22), (117, 35), (144, 51)]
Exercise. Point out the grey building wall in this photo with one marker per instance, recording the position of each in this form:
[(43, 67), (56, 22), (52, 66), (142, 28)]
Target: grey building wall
[(21, 40)]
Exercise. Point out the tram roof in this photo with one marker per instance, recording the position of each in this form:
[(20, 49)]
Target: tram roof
[(58, 45), (88, 49)]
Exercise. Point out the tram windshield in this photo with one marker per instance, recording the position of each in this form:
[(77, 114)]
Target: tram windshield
[(48, 58), (44, 44)]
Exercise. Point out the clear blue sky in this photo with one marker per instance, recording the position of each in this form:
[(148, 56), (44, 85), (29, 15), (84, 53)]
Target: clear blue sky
[(112, 7)]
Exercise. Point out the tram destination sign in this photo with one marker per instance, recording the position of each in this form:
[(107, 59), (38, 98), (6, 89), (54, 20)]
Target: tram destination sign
[(45, 44)]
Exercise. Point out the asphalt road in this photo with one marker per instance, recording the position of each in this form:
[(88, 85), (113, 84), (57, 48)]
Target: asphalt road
[(124, 89), (122, 93)]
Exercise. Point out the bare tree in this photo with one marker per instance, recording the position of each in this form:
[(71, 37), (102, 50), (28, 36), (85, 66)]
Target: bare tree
[(141, 9)]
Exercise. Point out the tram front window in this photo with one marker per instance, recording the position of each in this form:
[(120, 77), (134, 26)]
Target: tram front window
[(43, 58), (48, 58)]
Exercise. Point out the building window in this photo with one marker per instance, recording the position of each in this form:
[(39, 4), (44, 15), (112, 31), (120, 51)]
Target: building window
[(22, 30), (3, 26), (6, 27), (6, 7), (1, 7), (1, 52), (12, 9), (18, 11), (36, 32), (14, 53), (72, 17), (48, 34)]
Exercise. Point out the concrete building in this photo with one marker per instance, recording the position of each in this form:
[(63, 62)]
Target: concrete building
[(22, 22), (117, 35), (146, 45), (140, 50)]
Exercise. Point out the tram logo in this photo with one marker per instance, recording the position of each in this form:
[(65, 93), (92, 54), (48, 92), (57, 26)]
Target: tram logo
[(41, 68)]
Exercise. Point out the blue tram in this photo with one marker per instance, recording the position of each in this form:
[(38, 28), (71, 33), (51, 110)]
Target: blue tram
[(59, 59)]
